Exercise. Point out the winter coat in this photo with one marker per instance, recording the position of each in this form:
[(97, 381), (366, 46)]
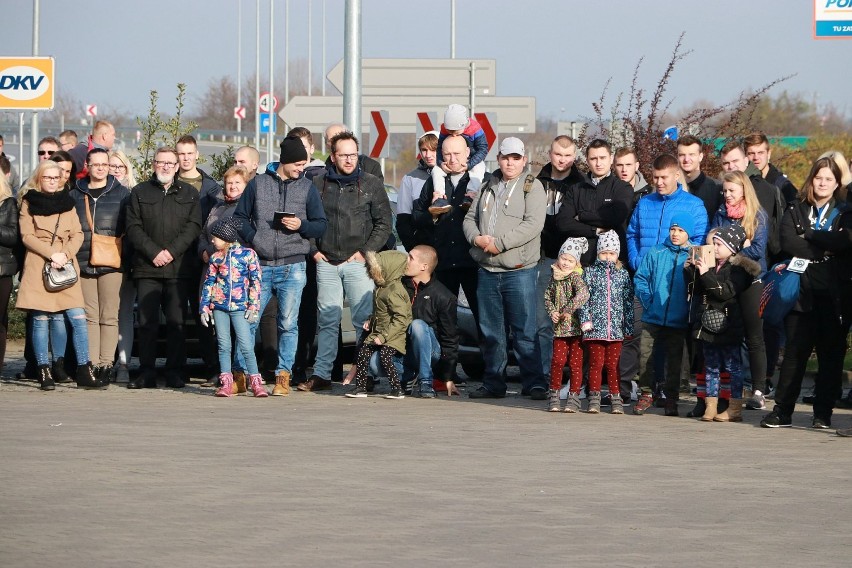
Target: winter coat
[(720, 290), (517, 232), (588, 207), (160, 219), (365, 163), (566, 293), (610, 305), (709, 191), (640, 189), (777, 178), (409, 191), (555, 190), (109, 214), (826, 248), (37, 221), (358, 213), (446, 234), (391, 304), (660, 285), (10, 239), (232, 283), (435, 305), (650, 222), (757, 249)]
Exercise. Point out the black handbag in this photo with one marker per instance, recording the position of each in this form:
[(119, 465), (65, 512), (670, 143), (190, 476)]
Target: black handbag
[(714, 321), (57, 279)]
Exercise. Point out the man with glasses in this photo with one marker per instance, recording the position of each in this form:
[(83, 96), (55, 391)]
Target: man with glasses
[(163, 220), (47, 147), (359, 220)]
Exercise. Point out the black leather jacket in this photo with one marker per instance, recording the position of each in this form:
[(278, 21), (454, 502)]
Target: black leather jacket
[(109, 214), (10, 239)]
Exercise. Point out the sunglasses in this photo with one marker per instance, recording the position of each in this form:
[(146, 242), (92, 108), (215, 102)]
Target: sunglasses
[(46, 152)]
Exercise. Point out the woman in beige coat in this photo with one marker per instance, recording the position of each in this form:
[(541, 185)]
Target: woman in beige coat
[(51, 232)]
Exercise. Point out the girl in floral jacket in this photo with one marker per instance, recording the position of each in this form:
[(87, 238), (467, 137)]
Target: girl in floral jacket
[(230, 296), (563, 296), (607, 319)]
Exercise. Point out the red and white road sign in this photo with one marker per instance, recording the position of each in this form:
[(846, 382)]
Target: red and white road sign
[(488, 122), (267, 102), (426, 122), (379, 147), (240, 113), (91, 110)]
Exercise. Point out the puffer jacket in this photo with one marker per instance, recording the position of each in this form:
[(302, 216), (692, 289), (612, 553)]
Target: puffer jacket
[(757, 249), (391, 303), (650, 222), (566, 293), (517, 232), (610, 306), (10, 239), (719, 290), (660, 285), (109, 214), (233, 281)]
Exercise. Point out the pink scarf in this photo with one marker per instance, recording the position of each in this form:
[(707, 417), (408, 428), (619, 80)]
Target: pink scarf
[(736, 211)]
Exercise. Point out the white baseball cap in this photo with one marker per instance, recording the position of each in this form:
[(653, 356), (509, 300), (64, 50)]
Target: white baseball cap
[(512, 145)]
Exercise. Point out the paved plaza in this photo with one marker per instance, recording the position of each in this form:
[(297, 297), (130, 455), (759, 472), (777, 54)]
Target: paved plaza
[(181, 478)]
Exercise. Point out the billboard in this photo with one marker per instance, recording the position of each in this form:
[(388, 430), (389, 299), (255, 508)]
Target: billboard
[(26, 83)]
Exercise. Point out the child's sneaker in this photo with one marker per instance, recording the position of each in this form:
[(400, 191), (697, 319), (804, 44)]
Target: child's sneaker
[(256, 386), (357, 392), (572, 404), (226, 383), (594, 403), (646, 400), (617, 405), (553, 404), (440, 206), (395, 394)]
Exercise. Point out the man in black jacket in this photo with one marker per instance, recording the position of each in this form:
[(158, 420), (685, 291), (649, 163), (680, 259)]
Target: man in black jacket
[(433, 339), (759, 153), (689, 157), (365, 162), (163, 221)]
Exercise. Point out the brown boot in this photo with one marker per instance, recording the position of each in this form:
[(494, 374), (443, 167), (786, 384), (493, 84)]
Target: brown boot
[(239, 385), (710, 403), (734, 412), (282, 384)]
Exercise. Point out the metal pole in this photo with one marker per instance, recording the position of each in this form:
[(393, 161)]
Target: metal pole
[(452, 29), (286, 51), (269, 135), (472, 88), (257, 78), (310, 25), (20, 149), (323, 48), (239, 63), (352, 67), (34, 126)]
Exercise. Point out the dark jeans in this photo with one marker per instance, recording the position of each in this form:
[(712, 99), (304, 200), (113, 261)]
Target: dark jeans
[(170, 296), (755, 365), (269, 338), (671, 341), (466, 278), (821, 329), (307, 324), (5, 292)]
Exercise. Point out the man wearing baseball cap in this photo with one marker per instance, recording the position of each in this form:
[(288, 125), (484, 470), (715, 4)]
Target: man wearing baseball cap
[(504, 226)]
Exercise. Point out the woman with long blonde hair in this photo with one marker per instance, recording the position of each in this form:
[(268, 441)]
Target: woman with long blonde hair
[(740, 206), (121, 169)]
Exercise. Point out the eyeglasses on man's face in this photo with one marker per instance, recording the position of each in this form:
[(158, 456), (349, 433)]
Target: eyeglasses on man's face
[(164, 164)]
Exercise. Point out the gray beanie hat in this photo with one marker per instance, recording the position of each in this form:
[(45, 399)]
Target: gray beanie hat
[(575, 246), (609, 241)]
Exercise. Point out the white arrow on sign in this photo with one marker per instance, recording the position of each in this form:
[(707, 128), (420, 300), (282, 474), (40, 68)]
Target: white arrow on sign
[(267, 102), (516, 114), (240, 113), (91, 110), (404, 77)]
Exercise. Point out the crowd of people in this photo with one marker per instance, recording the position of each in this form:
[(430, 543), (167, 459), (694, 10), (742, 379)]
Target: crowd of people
[(604, 271)]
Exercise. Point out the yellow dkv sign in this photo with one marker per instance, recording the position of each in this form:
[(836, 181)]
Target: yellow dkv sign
[(26, 83)]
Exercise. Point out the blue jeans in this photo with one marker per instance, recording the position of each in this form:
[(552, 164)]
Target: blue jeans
[(507, 297), (544, 323), (286, 282), (51, 326), (332, 282), (245, 340), (421, 352)]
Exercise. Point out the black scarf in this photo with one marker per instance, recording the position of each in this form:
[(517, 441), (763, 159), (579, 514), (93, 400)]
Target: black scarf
[(46, 204), (341, 179)]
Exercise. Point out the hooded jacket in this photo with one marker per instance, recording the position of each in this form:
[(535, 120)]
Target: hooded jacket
[(719, 290), (660, 286), (566, 294), (610, 305), (555, 190), (435, 305), (391, 304), (109, 214)]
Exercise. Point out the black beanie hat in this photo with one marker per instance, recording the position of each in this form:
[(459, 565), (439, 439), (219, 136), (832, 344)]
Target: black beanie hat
[(732, 236), (227, 229), (292, 150)]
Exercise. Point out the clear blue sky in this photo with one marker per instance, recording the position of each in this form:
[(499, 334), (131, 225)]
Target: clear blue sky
[(561, 51)]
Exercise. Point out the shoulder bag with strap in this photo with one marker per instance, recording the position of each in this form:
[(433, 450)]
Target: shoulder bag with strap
[(105, 251), (57, 279)]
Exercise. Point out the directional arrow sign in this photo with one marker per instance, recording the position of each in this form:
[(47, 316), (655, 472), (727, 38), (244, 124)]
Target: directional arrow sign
[(417, 77), (516, 114), (488, 122), (379, 148), (240, 113), (426, 122), (91, 110)]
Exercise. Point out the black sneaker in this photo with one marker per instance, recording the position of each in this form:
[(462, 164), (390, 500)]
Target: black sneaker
[(357, 392), (395, 394), (821, 423), (483, 392), (538, 393), (776, 420), (440, 206)]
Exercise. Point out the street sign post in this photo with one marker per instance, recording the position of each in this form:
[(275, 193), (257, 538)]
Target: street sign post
[(26, 83), (267, 102), (240, 113), (92, 110), (379, 148), (488, 122), (267, 123)]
